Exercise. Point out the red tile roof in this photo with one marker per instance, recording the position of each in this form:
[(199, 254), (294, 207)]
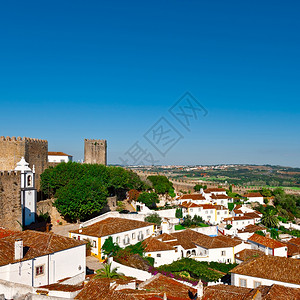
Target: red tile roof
[(58, 154), (37, 244), (247, 254), (265, 241), (5, 232), (249, 195), (277, 268), (152, 244), (219, 197), (295, 241), (192, 197), (111, 226), (189, 204), (211, 190)]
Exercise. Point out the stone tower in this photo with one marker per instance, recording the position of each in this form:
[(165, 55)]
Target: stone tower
[(34, 151), (95, 152)]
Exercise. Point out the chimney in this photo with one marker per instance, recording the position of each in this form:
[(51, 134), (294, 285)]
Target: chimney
[(18, 249), (165, 297), (200, 289)]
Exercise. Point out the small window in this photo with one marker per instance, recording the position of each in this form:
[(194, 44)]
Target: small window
[(191, 209), (39, 270), (147, 231), (133, 236), (243, 282), (206, 212), (94, 244), (257, 284), (218, 213), (78, 238), (118, 240), (158, 255), (223, 253)]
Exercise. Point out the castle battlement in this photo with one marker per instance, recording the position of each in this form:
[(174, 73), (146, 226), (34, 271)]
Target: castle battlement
[(94, 141), (24, 139), (9, 173)]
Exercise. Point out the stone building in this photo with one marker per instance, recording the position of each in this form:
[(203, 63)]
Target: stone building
[(35, 152), (95, 152)]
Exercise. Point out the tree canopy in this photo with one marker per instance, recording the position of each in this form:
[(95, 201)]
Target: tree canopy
[(161, 184), (150, 199), (81, 189)]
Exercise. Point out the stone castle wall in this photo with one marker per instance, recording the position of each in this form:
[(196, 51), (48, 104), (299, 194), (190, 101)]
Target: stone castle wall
[(35, 152), (95, 152), (10, 200)]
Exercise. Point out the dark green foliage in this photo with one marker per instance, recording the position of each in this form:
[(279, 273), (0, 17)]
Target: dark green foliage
[(230, 206), (274, 234), (109, 247), (150, 260), (195, 221), (78, 200), (138, 248), (154, 218), (198, 270), (260, 232), (81, 189), (150, 199), (228, 226), (161, 184), (198, 187), (178, 213)]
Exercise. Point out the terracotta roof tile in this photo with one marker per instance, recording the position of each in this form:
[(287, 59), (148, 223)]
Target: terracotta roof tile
[(111, 226), (58, 154), (265, 241), (271, 267), (251, 228), (35, 244), (293, 249), (247, 254), (279, 292), (295, 241), (5, 232), (249, 195), (192, 197), (211, 190), (152, 244), (219, 197)]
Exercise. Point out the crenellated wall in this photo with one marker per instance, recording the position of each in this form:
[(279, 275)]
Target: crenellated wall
[(35, 152), (10, 200)]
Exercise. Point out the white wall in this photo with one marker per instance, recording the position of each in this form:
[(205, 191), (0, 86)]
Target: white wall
[(256, 199), (131, 272), (59, 158), (281, 251), (235, 280), (163, 257), (59, 265)]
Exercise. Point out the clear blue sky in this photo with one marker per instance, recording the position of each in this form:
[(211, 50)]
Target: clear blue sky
[(71, 70)]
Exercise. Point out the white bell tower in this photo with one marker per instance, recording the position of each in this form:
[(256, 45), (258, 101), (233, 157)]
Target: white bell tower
[(28, 192)]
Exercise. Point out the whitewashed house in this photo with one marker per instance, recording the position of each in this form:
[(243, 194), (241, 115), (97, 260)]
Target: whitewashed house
[(220, 199), (267, 245), (36, 258), (190, 243), (214, 214), (124, 232), (197, 198), (254, 197), (162, 253), (58, 157), (267, 270), (239, 222)]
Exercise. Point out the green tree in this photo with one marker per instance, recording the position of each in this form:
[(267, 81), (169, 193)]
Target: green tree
[(80, 199), (274, 234), (269, 218), (161, 184), (198, 187), (260, 232), (150, 199), (108, 272), (266, 192), (178, 213), (154, 218), (109, 247)]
